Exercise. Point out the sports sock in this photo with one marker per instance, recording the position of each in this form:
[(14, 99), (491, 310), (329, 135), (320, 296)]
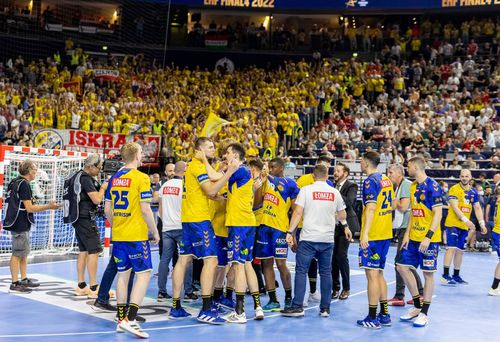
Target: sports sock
[(218, 293), (272, 295), (288, 293), (207, 302), (82, 285), (176, 303), (416, 302), (456, 273), (425, 307), (229, 292), (240, 302), (256, 299), (372, 311), (121, 311), (446, 271), (132, 311), (496, 282), (15, 282), (384, 307), (312, 285), (94, 287)]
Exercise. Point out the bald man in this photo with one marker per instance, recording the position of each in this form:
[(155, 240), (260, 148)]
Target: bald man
[(170, 171), (463, 198)]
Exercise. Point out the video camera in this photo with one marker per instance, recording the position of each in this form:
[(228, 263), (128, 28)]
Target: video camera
[(111, 166)]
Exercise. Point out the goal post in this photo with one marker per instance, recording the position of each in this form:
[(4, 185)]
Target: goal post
[(49, 235)]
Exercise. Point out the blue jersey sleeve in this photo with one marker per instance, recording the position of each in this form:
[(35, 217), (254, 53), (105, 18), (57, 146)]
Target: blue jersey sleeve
[(240, 177), (370, 191), (474, 196), (329, 182), (107, 194), (293, 189), (436, 195)]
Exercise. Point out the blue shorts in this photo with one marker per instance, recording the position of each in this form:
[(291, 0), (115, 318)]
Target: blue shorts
[(495, 242), (240, 244), (271, 243), (297, 234), (375, 255), (198, 240), (135, 255), (456, 238), (221, 243), (414, 258)]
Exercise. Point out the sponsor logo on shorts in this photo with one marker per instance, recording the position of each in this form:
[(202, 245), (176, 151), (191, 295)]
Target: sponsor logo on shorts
[(135, 256), (171, 190), (417, 213), (271, 198), (230, 254), (323, 196), (428, 263), (121, 182), (280, 241), (281, 250)]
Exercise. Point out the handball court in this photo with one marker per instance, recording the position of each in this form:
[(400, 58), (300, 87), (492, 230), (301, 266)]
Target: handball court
[(52, 313)]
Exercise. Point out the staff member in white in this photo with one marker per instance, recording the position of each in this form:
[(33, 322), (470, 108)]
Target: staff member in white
[(321, 205), (170, 200)]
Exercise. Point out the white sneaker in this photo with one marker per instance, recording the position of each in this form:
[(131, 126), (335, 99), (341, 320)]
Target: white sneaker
[(132, 327), (306, 302), (119, 329), (315, 297), (411, 314), (259, 313), (421, 321), (494, 292), (233, 317)]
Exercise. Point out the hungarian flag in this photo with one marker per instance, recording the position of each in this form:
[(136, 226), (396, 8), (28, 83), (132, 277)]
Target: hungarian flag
[(213, 125)]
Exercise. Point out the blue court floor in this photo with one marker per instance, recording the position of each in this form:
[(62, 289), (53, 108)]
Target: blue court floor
[(52, 313)]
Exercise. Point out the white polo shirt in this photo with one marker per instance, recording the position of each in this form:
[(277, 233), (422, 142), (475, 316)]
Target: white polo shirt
[(320, 202), (170, 196)]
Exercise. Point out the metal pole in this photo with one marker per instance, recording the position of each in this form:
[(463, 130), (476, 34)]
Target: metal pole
[(166, 34)]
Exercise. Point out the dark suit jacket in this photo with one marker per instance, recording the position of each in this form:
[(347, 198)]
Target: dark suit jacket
[(349, 192)]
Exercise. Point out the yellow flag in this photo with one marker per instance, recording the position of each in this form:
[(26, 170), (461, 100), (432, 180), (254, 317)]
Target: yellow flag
[(213, 125)]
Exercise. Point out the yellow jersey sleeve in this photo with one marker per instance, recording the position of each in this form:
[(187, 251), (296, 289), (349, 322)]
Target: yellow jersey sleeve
[(424, 198)]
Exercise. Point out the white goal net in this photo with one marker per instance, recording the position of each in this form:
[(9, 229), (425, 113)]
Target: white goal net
[(49, 235)]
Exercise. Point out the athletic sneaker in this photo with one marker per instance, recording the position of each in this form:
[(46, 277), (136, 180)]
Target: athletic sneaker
[(324, 312), (494, 292), (99, 306), (227, 303), (271, 306), (314, 297), (190, 297), (305, 304), (82, 292), (28, 283), (369, 323), (138, 319), (93, 294), (384, 320), (163, 296), (132, 327), (233, 317), (178, 313), (396, 301), (421, 321), (210, 317), (288, 303), (411, 314), (259, 313), (458, 279), (217, 307), (292, 312), (18, 288), (447, 280)]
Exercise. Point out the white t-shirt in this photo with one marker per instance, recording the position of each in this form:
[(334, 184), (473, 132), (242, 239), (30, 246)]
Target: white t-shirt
[(320, 202), (171, 199)]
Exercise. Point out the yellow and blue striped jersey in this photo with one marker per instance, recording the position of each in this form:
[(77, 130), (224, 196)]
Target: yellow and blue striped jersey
[(126, 190), (423, 198), (378, 189), (466, 199), (240, 199), (278, 197), (195, 202), (496, 226)]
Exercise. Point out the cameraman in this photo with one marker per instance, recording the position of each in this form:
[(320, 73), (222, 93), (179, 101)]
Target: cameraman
[(87, 234)]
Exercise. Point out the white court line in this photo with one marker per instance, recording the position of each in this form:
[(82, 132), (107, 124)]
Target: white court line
[(44, 263), (161, 328)]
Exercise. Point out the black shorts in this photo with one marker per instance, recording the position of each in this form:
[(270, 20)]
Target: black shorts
[(87, 236)]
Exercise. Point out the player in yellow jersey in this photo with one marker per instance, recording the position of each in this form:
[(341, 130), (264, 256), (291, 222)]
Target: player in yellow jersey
[(375, 238), (277, 196), (463, 198), (305, 180), (495, 239), (198, 238), (128, 210), (420, 244), (240, 221)]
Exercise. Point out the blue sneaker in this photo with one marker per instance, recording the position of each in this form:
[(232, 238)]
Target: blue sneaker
[(369, 323), (288, 303), (448, 281), (178, 313), (210, 317), (227, 303), (271, 306), (384, 320), (217, 307), (458, 279)]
